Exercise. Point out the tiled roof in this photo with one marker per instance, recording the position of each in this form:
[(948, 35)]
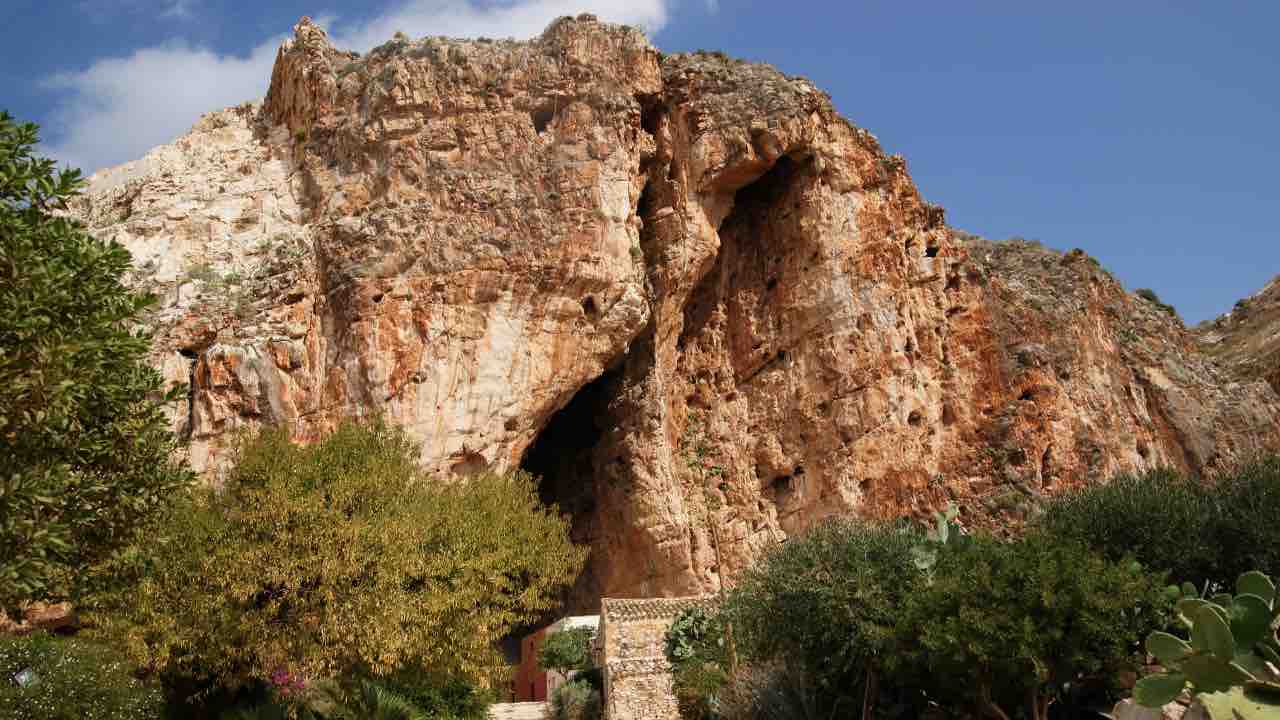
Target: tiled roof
[(625, 609)]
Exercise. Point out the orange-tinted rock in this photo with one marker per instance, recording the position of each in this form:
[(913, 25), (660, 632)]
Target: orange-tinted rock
[(746, 314)]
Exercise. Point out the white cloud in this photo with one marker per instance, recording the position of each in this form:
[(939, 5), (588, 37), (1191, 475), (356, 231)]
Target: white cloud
[(118, 108), (178, 9)]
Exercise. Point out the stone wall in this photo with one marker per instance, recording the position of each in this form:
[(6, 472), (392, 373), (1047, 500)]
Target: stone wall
[(637, 674)]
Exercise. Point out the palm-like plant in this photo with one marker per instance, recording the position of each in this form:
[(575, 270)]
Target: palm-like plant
[(374, 701)]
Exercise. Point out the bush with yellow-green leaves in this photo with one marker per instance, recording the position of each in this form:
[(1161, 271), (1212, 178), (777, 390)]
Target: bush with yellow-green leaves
[(341, 557)]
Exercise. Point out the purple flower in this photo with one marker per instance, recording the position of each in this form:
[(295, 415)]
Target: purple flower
[(286, 682)]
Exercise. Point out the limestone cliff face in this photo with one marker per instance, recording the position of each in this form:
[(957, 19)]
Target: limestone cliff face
[(1247, 339), (704, 307)]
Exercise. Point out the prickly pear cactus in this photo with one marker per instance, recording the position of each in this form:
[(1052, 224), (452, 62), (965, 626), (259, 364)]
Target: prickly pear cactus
[(945, 532), (1231, 664)]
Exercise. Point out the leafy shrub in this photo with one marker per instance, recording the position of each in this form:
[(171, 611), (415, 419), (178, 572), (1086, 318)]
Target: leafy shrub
[(70, 679), (1150, 296), (568, 650), (1007, 623), (772, 691), (439, 697), (695, 645), (689, 634), (84, 443), (341, 557), (1246, 527), (827, 603), (372, 700), (576, 700), (697, 683), (402, 696), (1199, 532), (1159, 517)]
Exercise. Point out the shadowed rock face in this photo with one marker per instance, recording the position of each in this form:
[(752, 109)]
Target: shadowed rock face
[(706, 308)]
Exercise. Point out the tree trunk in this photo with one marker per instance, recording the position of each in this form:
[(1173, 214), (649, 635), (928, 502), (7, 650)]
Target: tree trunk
[(989, 707), (1038, 704), (869, 693)]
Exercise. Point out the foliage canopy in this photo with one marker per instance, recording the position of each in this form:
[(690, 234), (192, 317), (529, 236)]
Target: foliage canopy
[(837, 592), (1198, 531), (568, 650), (344, 557), (84, 443), (1015, 622)]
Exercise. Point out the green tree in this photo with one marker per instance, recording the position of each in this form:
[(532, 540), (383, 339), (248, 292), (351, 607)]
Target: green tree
[(85, 447), (343, 557), (827, 603), (1004, 624), (576, 700), (1199, 530), (568, 650)]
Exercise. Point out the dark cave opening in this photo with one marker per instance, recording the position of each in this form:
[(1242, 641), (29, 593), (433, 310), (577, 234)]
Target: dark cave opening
[(561, 455), (541, 118), (192, 358), (563, 459)]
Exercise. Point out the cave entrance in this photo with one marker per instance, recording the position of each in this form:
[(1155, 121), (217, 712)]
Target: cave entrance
[(562, 458)]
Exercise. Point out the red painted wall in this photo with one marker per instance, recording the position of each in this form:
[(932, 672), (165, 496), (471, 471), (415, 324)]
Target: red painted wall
[(530, 680)]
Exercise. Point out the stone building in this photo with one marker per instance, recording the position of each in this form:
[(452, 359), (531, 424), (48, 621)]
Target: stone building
[(632, 640)]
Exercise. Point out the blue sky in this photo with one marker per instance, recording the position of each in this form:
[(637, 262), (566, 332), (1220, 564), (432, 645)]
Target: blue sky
[(1146, 133)]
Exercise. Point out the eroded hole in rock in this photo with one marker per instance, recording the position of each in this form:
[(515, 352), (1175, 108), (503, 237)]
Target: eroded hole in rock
[(192, 357), (644, 206), (650, 112), (541, 118), (589, 306), (748, 239), (1017, 457), (931, 251), (563, 458)]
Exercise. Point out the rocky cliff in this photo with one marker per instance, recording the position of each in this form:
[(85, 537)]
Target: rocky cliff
[(703, 307), (1247, 339)]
